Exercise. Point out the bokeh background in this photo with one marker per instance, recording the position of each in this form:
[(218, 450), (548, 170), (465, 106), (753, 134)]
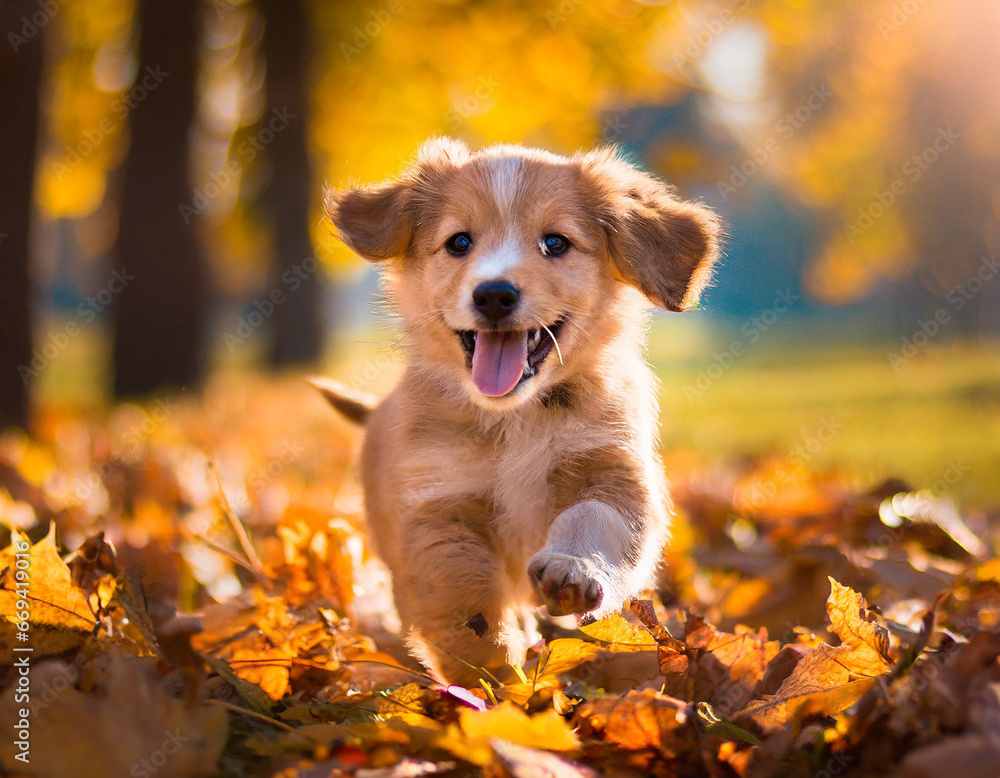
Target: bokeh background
[(163, 164)]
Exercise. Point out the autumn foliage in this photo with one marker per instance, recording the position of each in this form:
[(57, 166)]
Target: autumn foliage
[(821, 630)]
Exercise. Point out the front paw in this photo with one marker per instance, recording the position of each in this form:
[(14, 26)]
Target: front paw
[(566, 584)]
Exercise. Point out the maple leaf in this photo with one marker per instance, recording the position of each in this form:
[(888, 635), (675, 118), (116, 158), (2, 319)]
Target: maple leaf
[(58, 611), (828, 679)]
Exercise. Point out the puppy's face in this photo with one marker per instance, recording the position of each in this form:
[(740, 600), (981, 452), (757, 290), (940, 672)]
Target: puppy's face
[(511, 267)]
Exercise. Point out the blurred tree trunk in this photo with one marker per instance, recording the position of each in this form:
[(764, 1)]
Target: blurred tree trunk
[(20, 82), (298, 335), (158, 315)]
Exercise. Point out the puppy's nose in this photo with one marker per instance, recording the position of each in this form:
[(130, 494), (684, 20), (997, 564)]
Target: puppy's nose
[(495, 299)]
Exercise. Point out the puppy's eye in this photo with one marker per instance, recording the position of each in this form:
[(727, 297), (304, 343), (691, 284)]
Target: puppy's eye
[(554, 245), (458, 245)]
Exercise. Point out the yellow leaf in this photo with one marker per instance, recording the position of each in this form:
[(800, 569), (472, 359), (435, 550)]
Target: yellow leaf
[(829, 678), (268, 668), (564, 654), (410, 732), (507, 721), (58, 613), (520, 693), (853, 623), (777, 711), (621, 634)]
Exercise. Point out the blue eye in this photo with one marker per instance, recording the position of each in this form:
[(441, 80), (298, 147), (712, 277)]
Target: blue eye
[(458, 245), (554, 245)]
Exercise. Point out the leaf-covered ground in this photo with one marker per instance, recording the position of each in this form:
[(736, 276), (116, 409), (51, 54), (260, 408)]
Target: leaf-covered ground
[(800, 627)]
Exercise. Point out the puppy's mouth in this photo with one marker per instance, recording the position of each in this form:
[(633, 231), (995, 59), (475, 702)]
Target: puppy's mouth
[(502, 359)]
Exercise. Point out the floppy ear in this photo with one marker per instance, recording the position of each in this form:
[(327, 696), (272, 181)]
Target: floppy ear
[(373, 221), (661, 245), (378, 222)]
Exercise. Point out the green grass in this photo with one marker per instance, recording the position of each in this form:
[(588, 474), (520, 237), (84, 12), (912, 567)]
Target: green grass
[(935, 420)]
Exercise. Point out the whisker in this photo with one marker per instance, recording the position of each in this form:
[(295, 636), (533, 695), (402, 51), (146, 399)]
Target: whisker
[(556, 342)]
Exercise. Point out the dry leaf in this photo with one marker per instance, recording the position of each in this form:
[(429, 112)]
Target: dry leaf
[(639, 720), (857, 628), (564, 654), (126, 726), (619, 634), (828, 679), (720, 668), (59, 614), (509, 722)]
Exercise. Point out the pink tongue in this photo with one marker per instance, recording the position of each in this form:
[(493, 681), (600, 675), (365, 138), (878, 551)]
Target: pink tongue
[(498, 361)]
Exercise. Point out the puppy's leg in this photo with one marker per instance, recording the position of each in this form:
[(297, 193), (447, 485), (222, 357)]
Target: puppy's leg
[(450, 592), (596, 557)]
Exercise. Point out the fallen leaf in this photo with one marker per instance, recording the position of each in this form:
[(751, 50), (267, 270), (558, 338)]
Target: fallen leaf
[(509, 722), (638, 720), (58, 612), (466, 697), (827, 679), (794, 703), (126, 725), (619, 635), (857, 628), (720, 668), (564, 654)]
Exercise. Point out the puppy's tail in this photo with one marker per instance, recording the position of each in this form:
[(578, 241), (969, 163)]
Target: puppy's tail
[(353, 405)]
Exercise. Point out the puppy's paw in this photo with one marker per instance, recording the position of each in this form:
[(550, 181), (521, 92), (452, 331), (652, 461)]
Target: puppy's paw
[(566, 584)]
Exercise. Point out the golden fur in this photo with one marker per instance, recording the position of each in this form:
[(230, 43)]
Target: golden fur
[(485, 506)]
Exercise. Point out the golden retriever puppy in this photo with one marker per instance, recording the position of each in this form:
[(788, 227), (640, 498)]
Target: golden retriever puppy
[(516, 463)]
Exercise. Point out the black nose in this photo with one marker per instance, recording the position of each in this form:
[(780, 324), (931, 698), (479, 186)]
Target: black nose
[(495, 299)]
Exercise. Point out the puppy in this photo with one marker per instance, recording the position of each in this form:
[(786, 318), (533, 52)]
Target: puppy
[(516, 463)]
